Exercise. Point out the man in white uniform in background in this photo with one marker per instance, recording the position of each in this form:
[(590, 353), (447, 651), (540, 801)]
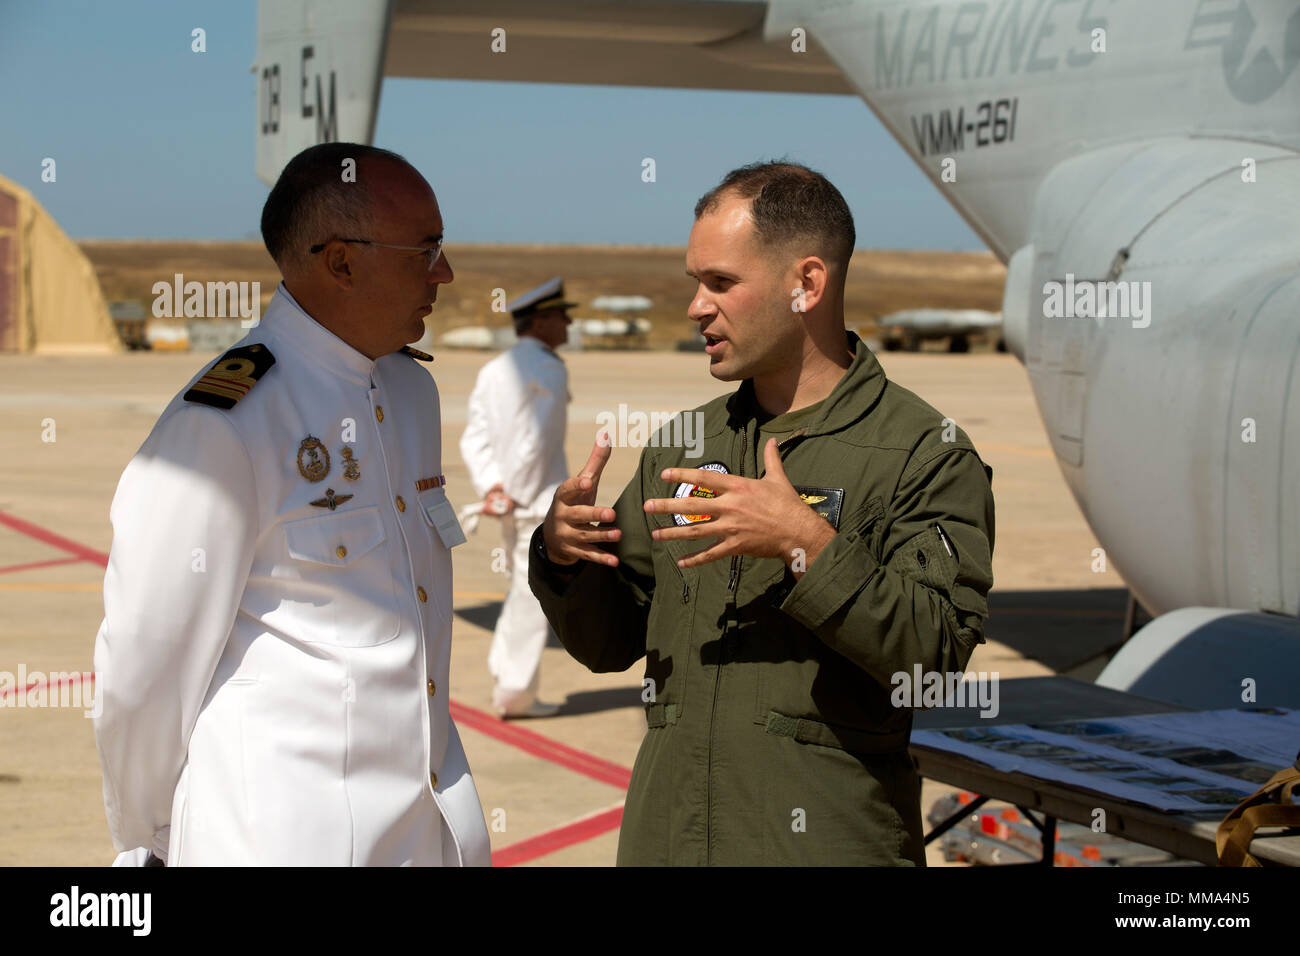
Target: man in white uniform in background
[(513, 446), (274, 654)]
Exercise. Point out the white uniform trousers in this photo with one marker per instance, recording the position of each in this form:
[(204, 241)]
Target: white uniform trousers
[(516, 654)]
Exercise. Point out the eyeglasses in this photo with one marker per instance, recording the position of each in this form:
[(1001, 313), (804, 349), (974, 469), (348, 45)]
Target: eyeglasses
[(430, 252)]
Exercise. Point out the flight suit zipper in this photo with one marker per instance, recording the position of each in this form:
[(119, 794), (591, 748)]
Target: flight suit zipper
[(732, 581), (717, 677), (735, 558)]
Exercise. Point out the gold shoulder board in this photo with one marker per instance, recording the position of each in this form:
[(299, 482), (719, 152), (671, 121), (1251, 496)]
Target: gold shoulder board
[(232, 377)]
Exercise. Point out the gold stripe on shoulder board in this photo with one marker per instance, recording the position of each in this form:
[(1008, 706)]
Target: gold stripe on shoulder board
[(231, 377)]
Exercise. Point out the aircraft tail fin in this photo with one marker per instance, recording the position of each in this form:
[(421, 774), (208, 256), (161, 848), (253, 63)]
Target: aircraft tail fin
[(319, 67)]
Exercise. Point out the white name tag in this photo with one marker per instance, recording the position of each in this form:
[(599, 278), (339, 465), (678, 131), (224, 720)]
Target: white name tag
[(443, 518)]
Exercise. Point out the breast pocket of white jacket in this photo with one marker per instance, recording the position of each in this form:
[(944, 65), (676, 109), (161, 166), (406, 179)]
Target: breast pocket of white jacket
[(343, 593)]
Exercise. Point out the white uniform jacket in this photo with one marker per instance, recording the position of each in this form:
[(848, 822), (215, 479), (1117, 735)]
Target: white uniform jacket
[(273, 670), (514, 430)]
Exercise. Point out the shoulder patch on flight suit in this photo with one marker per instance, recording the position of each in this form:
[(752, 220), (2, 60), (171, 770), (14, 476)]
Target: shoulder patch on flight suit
[(417, 354), (232, 377)]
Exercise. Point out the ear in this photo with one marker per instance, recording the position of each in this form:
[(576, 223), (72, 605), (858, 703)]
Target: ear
[(812, 278), (339, 264)]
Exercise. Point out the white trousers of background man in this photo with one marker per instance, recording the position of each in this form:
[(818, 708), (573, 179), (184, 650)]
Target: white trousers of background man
[(516, 654)]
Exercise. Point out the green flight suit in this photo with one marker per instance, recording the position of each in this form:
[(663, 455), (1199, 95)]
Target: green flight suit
[(772, 738)]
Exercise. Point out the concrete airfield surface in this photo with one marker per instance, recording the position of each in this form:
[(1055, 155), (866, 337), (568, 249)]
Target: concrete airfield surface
[(551, 789)]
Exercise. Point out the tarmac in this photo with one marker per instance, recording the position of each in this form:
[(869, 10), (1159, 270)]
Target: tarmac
[(552, 789)]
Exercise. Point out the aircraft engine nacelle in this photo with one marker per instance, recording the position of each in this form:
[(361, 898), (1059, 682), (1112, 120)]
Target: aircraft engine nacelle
[(1210, 658), (1157, 310)]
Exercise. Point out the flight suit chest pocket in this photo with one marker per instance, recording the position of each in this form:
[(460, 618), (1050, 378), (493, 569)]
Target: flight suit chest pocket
[(865, 522), (345, 594)]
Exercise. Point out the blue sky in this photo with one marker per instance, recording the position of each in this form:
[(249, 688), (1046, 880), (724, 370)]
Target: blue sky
[(152, 140)]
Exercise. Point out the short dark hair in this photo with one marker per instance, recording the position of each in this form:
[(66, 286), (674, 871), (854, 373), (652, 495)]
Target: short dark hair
[(311, 203), (788, 202)]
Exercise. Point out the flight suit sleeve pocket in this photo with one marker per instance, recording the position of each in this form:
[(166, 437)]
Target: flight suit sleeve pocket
[(931, 558), (925, 558), (336, 540)]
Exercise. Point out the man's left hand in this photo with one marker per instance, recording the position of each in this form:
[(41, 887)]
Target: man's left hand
[(761, 517)]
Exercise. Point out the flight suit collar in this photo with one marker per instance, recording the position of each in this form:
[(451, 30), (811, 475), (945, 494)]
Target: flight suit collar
[(854, 395), (304, 337)]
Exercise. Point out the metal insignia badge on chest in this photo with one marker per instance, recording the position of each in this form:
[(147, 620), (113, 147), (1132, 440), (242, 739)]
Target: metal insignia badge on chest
[(331, 500), (688, 490), (351, 467), (313, 459)]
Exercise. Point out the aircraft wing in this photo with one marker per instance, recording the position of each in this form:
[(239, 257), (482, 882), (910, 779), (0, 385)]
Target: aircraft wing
[(697, 44), (320, 63)]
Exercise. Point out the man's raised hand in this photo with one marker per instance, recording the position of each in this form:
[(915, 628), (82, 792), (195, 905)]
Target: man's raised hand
[(763, 517), (567, 530)]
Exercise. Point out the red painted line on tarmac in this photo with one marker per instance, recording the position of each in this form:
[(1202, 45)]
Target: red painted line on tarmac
[(547, 842), (602, 821), (55, 540), (38, 564), (579, 761)]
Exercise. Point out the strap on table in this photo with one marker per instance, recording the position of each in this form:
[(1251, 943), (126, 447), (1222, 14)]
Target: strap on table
[(1237, 830)]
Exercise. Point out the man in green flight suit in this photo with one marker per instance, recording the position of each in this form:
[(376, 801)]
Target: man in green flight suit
[(848, 532)]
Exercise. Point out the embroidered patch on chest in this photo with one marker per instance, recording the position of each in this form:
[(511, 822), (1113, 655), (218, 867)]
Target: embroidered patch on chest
[(688, 490)]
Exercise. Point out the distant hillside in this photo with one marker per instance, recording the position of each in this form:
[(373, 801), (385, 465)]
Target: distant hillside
[(880, 281)]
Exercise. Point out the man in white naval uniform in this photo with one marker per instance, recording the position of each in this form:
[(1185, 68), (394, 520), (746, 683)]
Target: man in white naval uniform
[(513, 446), (273, 661)]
